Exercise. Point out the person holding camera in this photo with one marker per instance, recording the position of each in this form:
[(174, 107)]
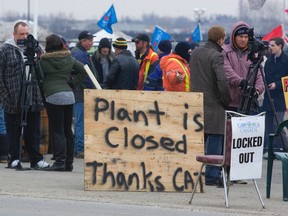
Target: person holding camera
[(236, 65), (12, 71)]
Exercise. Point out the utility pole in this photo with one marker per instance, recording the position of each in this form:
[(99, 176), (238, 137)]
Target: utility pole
[(28, 11)]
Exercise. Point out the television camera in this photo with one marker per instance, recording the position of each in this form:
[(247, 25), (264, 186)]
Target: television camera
[(256, 47), (31, 48)]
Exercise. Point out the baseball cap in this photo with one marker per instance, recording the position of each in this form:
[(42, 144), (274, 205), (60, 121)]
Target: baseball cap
[(85, 35), (141, 37)]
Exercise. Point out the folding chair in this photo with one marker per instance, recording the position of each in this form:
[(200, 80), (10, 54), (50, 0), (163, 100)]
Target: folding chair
[(283, 156), (223, 161)]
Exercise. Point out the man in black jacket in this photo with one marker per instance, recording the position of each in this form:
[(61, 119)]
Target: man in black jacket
[(275, 68), (123, 73)]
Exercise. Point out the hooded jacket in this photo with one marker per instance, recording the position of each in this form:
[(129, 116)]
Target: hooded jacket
[(236, 67), (11, 79), (56, 68)]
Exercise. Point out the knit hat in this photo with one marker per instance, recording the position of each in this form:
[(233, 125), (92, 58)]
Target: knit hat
[(104, 42), (165, 46), (120, 43), (181, 49), (241, 30)]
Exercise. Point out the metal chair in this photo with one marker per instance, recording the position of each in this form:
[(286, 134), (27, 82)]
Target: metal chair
[(223, 161), (283, 156)]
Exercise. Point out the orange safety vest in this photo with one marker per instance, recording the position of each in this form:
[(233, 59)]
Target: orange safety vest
[(143, 75), (187, 78)]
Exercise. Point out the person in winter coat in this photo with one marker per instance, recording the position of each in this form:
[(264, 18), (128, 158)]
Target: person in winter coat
[(236, 66), (208, 76), (124, 69), (176, 71), (56, 65), (102, 59), (145, 56), (13, 83), (79, 52), (154, 80), (276, 67)]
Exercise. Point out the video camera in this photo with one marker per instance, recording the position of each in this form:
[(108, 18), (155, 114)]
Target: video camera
[(31, 47), (255, 46)]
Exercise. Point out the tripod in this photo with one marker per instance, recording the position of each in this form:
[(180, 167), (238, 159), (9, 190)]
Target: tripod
[(25, 102), (249, 103), (28, 81)]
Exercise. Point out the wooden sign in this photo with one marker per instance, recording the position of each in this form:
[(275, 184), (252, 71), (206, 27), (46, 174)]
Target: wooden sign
[(142, 140)]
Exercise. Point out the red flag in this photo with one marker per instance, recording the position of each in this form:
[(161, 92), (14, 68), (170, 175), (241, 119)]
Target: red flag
[(286, 11), (276, 32)]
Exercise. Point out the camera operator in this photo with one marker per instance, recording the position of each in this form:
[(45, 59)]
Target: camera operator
[(12, 68), (275, 68), (236, 65)]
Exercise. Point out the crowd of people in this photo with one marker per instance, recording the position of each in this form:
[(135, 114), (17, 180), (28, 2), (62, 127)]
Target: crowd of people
[(217, 69)]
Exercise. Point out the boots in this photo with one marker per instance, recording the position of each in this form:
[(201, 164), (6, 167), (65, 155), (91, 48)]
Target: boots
[(3, 148)]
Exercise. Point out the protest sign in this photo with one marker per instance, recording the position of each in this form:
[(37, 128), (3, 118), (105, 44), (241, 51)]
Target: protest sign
[(142, 141)]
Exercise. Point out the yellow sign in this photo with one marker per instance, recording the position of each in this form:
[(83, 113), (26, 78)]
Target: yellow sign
[(285, 89), (142, 140)]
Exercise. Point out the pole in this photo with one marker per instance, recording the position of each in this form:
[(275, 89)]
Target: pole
[(35, 28), (92, 77), (28, 12)]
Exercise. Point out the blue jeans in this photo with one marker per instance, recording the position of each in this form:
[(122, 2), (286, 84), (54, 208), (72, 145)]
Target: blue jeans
[(79, 127), (213, 146), (2, 120)]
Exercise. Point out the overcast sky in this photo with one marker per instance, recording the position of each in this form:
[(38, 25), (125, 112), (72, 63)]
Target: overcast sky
[(94, 9)]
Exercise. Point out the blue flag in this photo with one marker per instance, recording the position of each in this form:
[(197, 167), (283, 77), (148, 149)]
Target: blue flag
[(108, 19), (159, 35), (196, 34)]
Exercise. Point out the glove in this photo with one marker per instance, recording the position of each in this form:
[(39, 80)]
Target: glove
[(256, 94), (242, 84)]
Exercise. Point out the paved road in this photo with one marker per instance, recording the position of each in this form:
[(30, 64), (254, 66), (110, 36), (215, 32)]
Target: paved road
[(62, 193)]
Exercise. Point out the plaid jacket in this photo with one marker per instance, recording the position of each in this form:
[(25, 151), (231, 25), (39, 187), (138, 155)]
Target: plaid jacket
[(12, 84)]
